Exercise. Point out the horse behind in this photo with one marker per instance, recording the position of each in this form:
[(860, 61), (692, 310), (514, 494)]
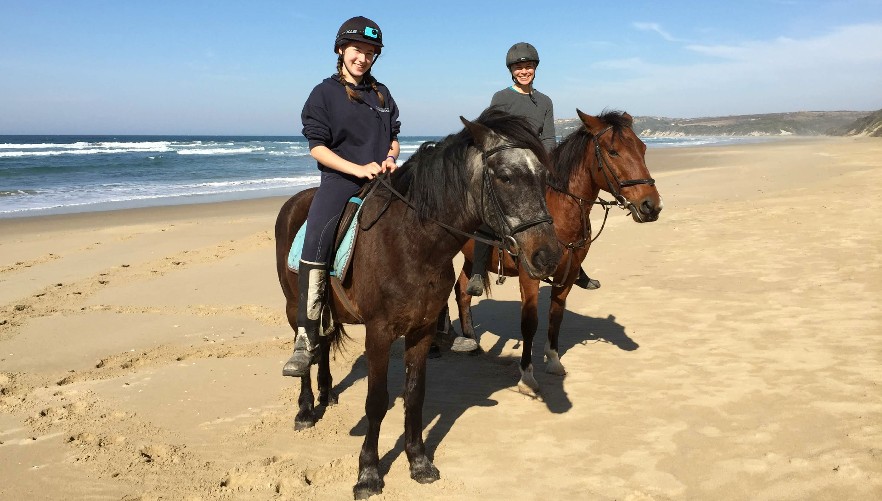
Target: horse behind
[(604, 154), (401, 272)]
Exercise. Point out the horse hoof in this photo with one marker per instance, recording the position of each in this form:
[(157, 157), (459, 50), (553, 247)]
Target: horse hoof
[(464, 344), (555, 367), (367, 488), (329, 399), (424, 472), (529, 391), (303, 424)]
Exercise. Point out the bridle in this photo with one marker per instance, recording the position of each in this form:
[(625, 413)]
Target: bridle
[(507, 242), (610, 176), (614, 186)]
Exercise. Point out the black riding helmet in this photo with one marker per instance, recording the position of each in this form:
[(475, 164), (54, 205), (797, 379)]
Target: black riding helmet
[(521, 52), (359, 29)]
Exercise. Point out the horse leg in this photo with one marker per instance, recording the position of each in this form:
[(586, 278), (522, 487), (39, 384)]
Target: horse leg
[(306, 405), (305, 417), (529, 322), (325, 381), (555, 316), (421, 468), (468, 342), (376, 404)]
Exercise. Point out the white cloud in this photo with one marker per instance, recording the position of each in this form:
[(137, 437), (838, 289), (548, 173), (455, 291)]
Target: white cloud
[(837, 70), (655, 27)]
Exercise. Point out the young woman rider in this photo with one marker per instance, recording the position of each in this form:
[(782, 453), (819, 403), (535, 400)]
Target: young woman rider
[(522, 99), (351, 123)]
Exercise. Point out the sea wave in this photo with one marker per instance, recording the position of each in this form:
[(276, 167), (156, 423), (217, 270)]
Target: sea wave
[(90, 151), (23, 202), (220, 151), (14, 146)]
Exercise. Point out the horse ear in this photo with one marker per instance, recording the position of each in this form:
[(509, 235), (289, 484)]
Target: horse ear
[(592, 123), (478, 131)]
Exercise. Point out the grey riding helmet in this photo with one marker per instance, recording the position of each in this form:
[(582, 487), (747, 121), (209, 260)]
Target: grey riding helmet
[(521, 52), (359, 29)]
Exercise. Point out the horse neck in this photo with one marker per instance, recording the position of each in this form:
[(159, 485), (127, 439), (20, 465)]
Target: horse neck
[(582, 182), (427, 238)]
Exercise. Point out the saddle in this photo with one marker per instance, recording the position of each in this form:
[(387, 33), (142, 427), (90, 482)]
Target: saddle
[(346, 233), (357, 215)]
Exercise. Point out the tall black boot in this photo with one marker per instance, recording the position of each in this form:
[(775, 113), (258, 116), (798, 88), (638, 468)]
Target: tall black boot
[(586, 282), (312, 280), (481, 255)]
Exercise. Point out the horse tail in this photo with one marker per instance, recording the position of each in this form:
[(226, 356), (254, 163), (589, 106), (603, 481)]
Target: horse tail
[(339, 338)]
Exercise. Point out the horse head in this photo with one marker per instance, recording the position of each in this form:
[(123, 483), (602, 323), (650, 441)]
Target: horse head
[(621, 165), (507, 168)]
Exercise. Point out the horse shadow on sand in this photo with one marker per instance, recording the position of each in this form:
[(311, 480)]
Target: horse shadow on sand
[(457, 382)]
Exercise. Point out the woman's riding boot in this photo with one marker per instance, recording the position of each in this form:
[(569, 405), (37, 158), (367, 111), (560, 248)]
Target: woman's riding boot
[(585, 282), (479, 269), (311, 283)]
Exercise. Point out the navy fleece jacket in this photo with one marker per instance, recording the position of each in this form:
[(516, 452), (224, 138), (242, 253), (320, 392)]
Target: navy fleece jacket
[(360, 132)]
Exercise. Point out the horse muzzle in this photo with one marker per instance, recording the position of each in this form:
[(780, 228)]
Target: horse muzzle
[(646, 210), (538, 250)]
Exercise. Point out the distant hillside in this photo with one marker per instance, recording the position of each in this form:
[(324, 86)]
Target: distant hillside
[(868, 126), (801, 123)]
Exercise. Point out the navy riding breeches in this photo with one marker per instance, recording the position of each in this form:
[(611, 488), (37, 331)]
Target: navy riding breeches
[(327, 206)]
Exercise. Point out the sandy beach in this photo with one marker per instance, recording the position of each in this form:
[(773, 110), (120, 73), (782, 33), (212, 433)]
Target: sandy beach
[(734, 351)]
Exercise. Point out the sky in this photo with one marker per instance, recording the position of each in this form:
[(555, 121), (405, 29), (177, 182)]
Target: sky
[(245, 68)]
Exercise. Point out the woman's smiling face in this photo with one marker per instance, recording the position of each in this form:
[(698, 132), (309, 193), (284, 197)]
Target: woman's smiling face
[(524, 73), (357, 60)]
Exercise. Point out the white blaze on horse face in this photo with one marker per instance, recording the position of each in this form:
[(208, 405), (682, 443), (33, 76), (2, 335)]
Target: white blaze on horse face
[(533, 164)]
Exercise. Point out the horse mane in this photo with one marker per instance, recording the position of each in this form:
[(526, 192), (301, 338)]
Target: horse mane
[(435, 176), (567, 156)]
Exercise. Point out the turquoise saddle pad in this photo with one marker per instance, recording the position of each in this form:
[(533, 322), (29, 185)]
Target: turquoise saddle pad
[(344, 251)]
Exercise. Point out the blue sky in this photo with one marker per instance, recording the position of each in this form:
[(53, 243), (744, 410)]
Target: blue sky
[(218, 67)]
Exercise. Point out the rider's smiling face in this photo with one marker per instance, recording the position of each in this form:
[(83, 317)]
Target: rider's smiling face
[(524, 72), (357, 60)]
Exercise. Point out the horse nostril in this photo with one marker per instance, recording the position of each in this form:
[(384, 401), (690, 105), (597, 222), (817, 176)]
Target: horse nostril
[(646, 207), (540, 258)]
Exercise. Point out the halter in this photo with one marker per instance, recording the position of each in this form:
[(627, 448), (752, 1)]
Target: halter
[(508, 242)]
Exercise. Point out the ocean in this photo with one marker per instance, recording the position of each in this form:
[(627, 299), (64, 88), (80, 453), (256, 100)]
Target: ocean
[(42, 175)]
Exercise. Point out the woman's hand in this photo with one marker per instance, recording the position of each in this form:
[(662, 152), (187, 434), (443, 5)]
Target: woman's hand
[(371, 170), (389, 164)]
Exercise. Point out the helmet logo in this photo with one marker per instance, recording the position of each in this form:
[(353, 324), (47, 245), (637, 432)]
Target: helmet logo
[(370, 32)]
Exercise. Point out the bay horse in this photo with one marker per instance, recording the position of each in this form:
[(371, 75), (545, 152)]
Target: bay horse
[(603, 154), (492, 172)]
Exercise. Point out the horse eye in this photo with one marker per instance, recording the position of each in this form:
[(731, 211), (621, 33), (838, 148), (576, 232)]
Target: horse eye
[(613, 153), (504, 178)]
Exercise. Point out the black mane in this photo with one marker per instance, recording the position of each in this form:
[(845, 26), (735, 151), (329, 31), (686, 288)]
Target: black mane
[(567, 156), (435, 177)]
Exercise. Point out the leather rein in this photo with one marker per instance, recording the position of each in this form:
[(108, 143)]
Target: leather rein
[(614, 185), (507, 242)]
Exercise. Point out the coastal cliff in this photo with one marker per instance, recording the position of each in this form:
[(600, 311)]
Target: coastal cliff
[(800, 123)]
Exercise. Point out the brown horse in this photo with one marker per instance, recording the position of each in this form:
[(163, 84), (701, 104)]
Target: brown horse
[(604, 154), (401, 272)]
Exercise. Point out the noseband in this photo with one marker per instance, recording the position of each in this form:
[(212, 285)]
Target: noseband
[(508, 242)]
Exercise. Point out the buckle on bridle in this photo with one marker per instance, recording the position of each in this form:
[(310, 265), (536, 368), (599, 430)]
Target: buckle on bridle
[(511, 245)]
